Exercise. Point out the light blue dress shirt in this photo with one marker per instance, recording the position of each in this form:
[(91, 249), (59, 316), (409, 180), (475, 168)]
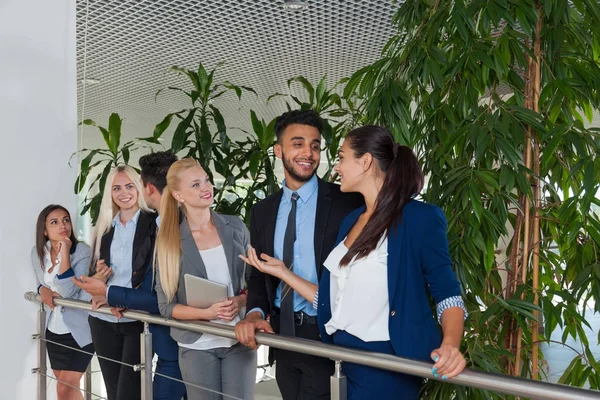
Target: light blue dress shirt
[(121, 259), (304, 246)]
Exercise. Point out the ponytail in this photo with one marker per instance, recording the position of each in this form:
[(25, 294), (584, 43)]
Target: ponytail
[(168, 245), (167, 252), (403, 180)]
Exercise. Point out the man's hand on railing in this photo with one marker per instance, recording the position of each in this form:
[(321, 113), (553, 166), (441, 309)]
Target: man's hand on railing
[(116, 311), (246, 329), (98, 301), (47, 296)]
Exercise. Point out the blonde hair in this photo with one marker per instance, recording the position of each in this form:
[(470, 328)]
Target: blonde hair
[(108, 208), (167, 251)]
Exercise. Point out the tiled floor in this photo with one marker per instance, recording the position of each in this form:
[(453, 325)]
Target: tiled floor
[(267, 390)]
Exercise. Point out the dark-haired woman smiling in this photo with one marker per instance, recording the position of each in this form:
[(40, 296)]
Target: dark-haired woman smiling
[(56, 257), (391, 255)]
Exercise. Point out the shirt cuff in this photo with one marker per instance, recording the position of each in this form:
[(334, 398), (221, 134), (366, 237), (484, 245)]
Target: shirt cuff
[(315, 302), (454, 301), (257, 309), (39, 287), (67, 274)]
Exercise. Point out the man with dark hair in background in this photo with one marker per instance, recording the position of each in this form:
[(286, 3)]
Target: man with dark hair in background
[(153, 173), (316, 208), (154, 168)]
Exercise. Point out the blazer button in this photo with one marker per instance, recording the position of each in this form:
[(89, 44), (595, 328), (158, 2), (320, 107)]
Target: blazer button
[(393, 313), (134, 272)]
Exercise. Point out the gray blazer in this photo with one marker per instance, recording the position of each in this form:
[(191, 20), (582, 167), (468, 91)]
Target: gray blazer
[(235, 239), (76, 320)]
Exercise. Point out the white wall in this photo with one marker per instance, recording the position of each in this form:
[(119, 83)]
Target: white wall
[(38, 128)]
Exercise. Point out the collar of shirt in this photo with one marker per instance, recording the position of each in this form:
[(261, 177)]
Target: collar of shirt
[(117, 219), (47, 253), (305, 192)]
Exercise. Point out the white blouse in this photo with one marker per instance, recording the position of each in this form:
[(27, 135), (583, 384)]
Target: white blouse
[(55, 321), (359, 293), (217, 271)]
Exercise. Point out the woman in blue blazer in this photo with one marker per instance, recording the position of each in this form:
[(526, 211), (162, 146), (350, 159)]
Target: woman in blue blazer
[(56, 257), (393, 252)]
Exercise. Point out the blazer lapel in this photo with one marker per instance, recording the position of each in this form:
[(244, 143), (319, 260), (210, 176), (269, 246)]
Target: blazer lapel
[(269, 240), (321, 217), (190, 250), (270, 221), (105, 247), (141, 234), (393, 263), (226, 235)]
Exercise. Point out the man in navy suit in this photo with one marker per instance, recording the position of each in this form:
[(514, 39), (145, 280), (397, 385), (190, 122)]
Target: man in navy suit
[(316, 208), (153, 174)]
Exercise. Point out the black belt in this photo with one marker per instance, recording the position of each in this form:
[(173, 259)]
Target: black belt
[(300, 317)]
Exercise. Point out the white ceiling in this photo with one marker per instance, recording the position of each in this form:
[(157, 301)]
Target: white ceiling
[(129, 45)]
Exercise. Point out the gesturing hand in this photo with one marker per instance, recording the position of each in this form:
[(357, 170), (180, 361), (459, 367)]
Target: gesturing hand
[(267, 264), (449, 361), (93, 286)]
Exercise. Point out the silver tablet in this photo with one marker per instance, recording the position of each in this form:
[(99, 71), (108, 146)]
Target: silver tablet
[(202, 293)]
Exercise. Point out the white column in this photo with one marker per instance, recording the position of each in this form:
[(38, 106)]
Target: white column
[(38, 133)]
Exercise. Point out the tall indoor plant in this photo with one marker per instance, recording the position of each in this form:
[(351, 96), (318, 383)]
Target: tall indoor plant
[(497, 99)]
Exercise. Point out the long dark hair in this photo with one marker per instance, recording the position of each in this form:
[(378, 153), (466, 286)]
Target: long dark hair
[(403, 181), (40, 227)]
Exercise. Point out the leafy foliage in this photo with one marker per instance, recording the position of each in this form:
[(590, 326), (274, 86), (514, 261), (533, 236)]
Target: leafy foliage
[(101, 160), (452, 83), (339, 113), (202, 133)]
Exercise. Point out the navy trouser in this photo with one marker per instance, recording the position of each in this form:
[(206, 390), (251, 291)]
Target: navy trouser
[(366, 383), (164, 388)]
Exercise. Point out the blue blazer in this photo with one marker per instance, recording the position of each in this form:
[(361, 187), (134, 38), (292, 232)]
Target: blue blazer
[(419, 265), (144, 298)]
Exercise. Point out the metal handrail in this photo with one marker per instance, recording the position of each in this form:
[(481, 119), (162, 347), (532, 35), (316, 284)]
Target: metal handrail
[(477, 379)]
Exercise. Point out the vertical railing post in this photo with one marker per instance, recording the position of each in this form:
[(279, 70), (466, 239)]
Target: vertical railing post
[(41, 370), (146, 359), (338, 383), (87, 383)]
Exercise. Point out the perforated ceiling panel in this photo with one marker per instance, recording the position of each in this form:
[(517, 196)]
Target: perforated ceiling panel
[(130, 44)]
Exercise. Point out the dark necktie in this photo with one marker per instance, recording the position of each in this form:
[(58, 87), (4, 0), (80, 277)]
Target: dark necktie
[(286, 317)]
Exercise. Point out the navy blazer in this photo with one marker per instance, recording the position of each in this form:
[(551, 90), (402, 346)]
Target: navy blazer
[(419, 265)]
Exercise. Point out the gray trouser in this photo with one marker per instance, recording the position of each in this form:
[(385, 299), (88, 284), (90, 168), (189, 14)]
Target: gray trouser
[(227, 370)]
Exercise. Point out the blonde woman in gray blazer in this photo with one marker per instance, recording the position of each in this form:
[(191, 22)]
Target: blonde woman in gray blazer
[(56, 257), (207, 245)]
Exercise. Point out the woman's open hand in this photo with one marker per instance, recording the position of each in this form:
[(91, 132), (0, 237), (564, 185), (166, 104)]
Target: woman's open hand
[(267, 264)]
